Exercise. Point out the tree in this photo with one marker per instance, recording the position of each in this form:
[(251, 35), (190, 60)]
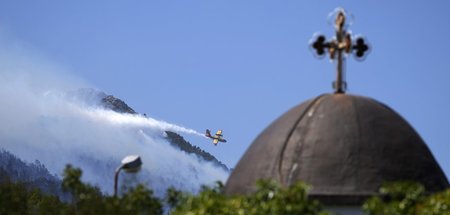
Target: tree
[(270, 198), (89, 200), (408, 198), (401, 198), (18, 198)]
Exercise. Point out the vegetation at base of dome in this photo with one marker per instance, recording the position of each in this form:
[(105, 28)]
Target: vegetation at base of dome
[(270, 198), (408, 198), (400, 198)]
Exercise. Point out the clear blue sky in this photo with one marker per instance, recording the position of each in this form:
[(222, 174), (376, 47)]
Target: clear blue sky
[(238, 65)]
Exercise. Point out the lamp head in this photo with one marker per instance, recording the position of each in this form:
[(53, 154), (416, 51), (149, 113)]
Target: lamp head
[(131, 163)]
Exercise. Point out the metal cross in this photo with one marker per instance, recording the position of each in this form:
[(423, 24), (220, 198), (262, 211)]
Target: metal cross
[(336, 48)]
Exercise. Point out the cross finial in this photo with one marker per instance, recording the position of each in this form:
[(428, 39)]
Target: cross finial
[(339, 45)]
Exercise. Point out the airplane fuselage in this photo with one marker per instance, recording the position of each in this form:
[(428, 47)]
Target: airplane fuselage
[(216, 138), (219, 138)]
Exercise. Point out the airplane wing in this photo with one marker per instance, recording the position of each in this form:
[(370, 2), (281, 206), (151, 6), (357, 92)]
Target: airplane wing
[(219, 133), (215, 141)]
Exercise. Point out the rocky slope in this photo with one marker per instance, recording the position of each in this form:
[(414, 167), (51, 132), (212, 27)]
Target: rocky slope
[(98, 98), (179, 142)]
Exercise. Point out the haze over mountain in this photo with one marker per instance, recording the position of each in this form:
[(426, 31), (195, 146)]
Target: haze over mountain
[(96, 98), (94, 131), (47, 117)]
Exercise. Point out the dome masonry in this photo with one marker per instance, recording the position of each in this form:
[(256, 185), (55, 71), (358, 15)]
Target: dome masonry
[(345, 146)]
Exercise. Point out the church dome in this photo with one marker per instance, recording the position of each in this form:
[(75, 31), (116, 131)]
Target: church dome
[(344, 146)]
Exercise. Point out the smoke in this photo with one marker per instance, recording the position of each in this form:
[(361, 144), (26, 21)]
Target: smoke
[(39, 121)]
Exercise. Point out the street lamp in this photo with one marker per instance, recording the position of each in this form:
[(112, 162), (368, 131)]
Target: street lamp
[(130, 164)]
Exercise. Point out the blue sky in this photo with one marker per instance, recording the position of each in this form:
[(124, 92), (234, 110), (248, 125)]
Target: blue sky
[(238, 65)]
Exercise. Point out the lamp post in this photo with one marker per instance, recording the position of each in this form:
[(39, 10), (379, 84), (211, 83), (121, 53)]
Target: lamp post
[(130, 164)]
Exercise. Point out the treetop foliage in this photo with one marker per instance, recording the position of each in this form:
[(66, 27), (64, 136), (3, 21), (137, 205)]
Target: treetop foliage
[(15, 198), (408, 198), (269, 198), (400, 198)]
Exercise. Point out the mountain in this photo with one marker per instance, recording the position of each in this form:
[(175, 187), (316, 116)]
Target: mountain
[(115, 104), (33, 175), (179, 142), (93, 97), (68, 128), (101, 99)]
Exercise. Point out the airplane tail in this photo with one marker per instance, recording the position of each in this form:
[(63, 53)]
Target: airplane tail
[(208, 133)]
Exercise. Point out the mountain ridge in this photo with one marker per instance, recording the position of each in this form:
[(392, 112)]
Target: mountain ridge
[(115, 104), (33, 175)]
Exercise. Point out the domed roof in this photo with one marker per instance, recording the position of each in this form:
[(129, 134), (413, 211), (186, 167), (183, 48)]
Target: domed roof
[(345, 146)]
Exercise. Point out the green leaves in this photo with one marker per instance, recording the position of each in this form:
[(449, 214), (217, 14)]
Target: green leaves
[(269, 198), (400, 198), (89, 200), (140, 200), (436, 204), (408, 198), (15, 198)]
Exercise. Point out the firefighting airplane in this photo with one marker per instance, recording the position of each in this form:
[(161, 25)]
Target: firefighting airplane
[(216, 138)]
